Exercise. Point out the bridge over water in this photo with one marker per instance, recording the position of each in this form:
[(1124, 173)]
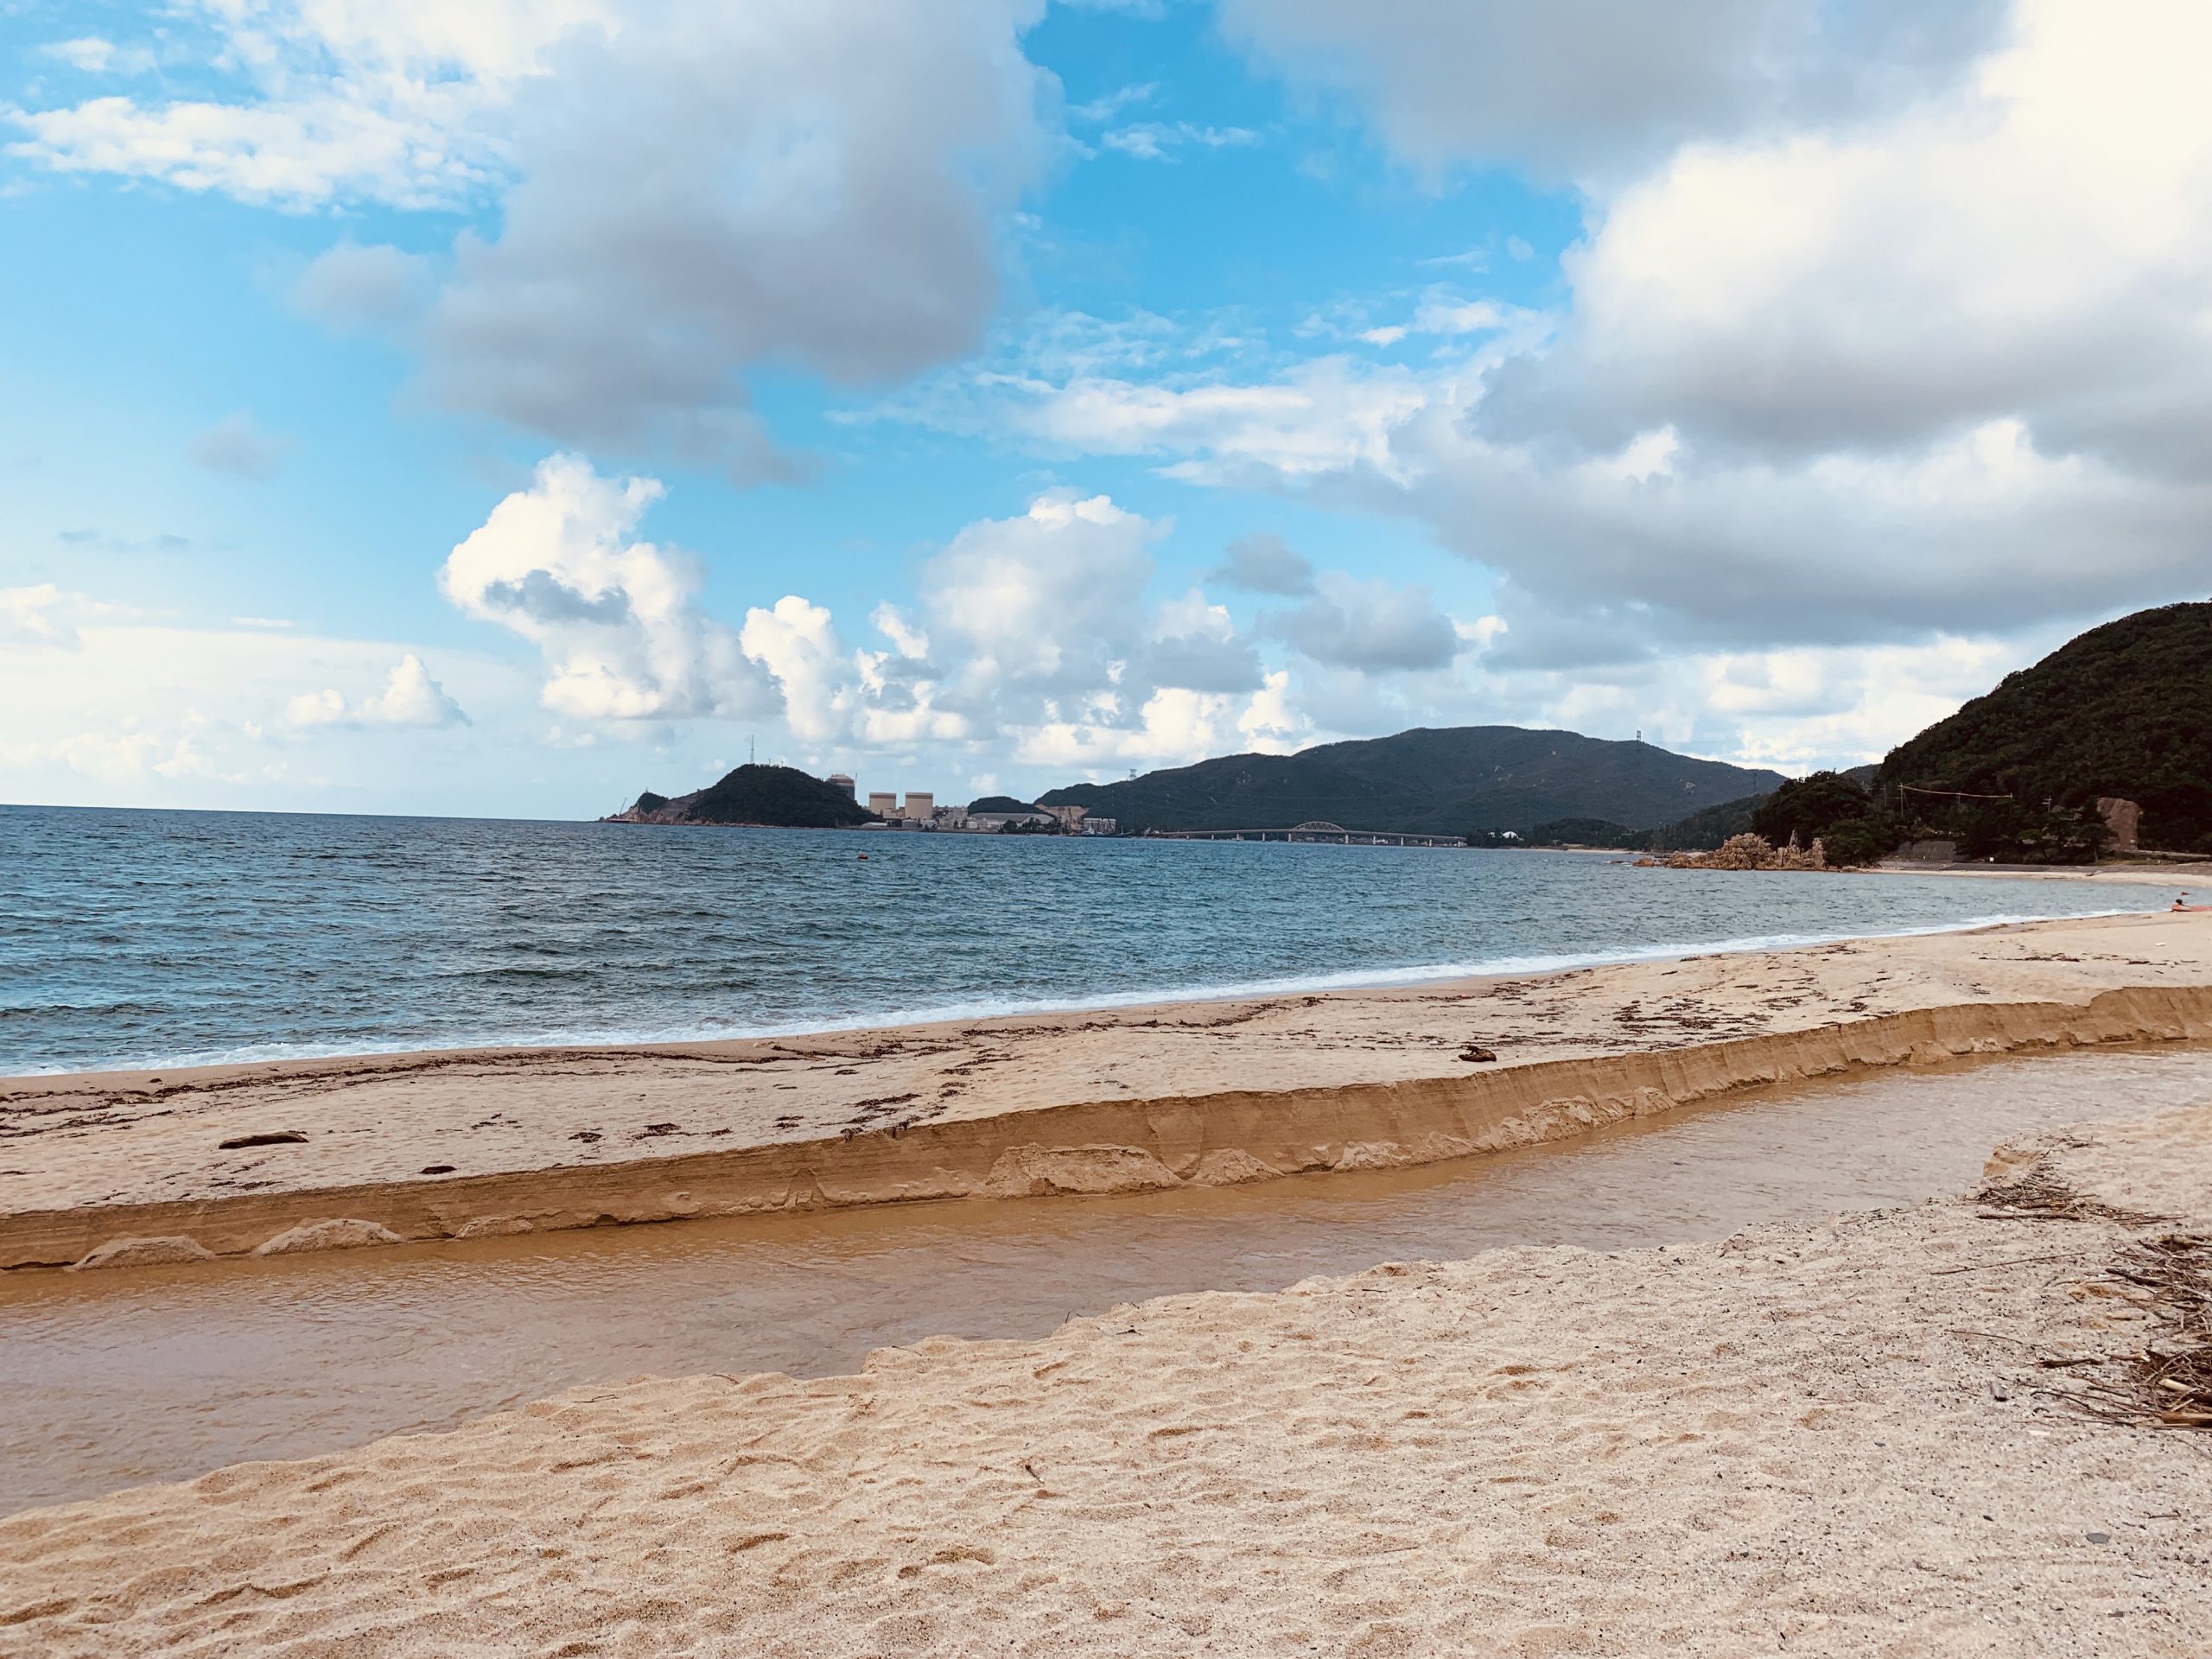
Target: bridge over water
[(1319, 829)]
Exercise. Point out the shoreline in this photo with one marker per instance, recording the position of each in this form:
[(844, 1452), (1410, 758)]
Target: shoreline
[(129, 1168), (1351, 983), (1832, 1438)]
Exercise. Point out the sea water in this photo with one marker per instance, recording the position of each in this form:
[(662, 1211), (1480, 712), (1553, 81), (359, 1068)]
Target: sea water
[(131, 938)]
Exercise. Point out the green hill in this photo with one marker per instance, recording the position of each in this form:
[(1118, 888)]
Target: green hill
[(1428, 781), (2124, 709), (1704, 830), (774, 797)]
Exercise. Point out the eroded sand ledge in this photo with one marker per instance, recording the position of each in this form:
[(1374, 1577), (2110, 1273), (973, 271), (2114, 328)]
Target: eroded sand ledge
[(97, 1169), (1831, 1439), (1099, 1147)]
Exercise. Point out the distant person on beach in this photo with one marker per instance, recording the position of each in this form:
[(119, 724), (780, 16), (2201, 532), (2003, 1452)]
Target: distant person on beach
[(2183, 903)]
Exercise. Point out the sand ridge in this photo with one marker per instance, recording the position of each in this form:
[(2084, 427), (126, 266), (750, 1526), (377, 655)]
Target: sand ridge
[(440, 1145), (1828, 1440)]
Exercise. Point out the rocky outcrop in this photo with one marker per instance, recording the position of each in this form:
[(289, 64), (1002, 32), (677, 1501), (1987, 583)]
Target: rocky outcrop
[(1750, 853)]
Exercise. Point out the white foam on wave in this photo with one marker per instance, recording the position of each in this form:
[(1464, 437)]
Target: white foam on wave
[(1005, 1008)]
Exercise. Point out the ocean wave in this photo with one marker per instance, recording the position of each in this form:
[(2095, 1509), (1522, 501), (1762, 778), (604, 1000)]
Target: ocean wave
[(992, 1007)]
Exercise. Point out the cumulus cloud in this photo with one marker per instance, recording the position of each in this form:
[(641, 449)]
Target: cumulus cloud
[(1370, 626), (796, 642), (237, 446), (614, 618), (1051, 651), (1033, 635), (410, 698), (686, 189), (2035, 247), (1577, 87), (1048, 601), (718, 186), (1265, 563), (1938, 367), (1195, 646)]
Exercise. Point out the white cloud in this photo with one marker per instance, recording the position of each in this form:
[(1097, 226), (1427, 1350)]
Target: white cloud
[(1939, 366), (1108, 105), (38, 615), (795, 641), (2037, 246), (398, 101), (89, 53), (1264, 563), (140, 713), (1325, 417), (1442, 313), (723, 186), (685, 189), (1158, 141), (237, 446), (893, 624), (410, 698), (1034, 635), (613, 617), (1370, 626), (1050, 599), (1053, 651), (1573, 87)]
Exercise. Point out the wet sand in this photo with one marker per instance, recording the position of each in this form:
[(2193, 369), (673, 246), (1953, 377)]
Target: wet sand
[(162, 1373), (1829, 1439), (469, 1143)]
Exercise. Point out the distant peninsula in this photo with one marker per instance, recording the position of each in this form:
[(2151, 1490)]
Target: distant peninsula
[(779, 797)]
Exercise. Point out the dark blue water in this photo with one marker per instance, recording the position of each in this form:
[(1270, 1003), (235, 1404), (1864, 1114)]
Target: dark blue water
[(141, 938)]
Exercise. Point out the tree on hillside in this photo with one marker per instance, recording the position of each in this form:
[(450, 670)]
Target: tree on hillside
[(1831, 809), (2124, 709)]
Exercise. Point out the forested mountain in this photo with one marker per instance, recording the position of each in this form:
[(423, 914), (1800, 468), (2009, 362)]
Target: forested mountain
[(1434, 781), (1705, 829), (777, 797), (2124, 709)]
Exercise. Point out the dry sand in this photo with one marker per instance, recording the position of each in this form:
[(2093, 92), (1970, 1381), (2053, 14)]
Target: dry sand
[(133, 1166), (1833, 1439)]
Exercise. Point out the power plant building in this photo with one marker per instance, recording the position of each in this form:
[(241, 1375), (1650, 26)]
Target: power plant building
[(883, 802), (838, 780)]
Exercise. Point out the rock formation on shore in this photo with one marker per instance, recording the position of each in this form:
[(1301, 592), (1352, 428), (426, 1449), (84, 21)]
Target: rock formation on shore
[(1749, 852)]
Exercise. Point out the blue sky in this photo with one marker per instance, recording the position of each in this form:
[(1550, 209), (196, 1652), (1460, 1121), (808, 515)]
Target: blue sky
[(504, 409)]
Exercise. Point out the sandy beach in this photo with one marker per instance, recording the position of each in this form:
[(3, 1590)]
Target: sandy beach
[(1841, 1439), (308, 1154)]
